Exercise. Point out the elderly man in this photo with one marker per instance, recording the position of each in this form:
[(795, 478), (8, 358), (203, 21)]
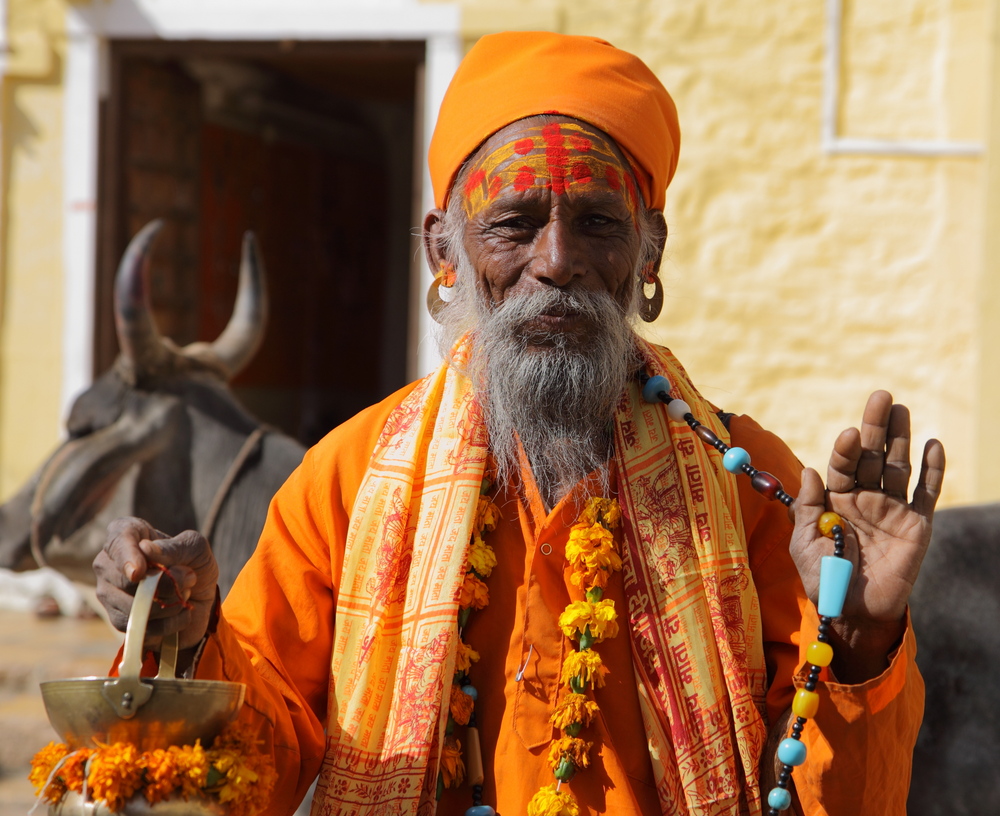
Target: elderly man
[(522, 561)]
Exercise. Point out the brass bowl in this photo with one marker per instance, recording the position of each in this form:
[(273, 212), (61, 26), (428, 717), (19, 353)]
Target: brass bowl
[(72, 804), (149, 713)]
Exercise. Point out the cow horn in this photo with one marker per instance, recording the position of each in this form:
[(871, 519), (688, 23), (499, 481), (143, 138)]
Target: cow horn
[(242, 336), (138, 338)]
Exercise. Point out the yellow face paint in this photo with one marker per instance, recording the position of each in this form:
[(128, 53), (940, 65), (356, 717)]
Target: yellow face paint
[(557, 156)]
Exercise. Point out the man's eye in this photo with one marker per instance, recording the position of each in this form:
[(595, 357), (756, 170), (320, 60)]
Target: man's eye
[(512, 223)]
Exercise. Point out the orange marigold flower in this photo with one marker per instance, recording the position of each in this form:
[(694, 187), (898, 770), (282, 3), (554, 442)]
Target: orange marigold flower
[(587, 665), (465, 657), (74, 768), (161, 775), (551, 802), (573, 708), (461, 705), (44, 761), (572, 748), (452, 766), (115, 774), (474, 593), (192, 768)]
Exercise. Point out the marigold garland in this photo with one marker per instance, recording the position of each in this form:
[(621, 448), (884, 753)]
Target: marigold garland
[(592, 554), (474, 594), (233, 772)]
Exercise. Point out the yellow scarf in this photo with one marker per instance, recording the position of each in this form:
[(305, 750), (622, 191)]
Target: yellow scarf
[(693, 612)]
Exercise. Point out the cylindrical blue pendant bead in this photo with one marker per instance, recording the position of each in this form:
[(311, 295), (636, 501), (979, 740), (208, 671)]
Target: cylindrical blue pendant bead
[(792, 752), (480, 810), (779, 799), (654, 385), (734, 459), (834, 578)]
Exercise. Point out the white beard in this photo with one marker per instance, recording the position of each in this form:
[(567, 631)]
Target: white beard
[(558, 399)]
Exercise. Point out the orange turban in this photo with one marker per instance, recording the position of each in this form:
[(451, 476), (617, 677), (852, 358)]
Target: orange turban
[(509, 76)]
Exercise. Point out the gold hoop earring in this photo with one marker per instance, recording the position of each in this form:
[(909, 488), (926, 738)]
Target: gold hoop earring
[(650, 307), (445, 277)]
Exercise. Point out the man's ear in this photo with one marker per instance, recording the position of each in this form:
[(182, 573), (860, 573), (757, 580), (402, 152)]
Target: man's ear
[(434, 246), (659, 226)]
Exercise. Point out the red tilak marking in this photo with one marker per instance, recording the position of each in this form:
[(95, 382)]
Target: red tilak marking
[(495, 186), (475, 180), (580, 143), (611, 176), (630, 186), (524, 179), (556, 155), (581, 172), (524, 146)]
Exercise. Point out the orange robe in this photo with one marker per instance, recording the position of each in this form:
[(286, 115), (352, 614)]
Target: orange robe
[(277, 630)]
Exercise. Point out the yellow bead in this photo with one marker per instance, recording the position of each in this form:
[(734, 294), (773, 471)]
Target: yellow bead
[(805, 703), (819, 654), (827, 522)]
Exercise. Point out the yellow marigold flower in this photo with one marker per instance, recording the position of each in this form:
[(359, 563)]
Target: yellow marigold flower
[(550, 802), (573, 748), (487, 514), (460, 706), (573, 708), (465, 657), (191, 762), (481, 557), (474, 593), (452, 766), (601, 511), (115, 774), (600, 616), (587, 665), (161, 774)]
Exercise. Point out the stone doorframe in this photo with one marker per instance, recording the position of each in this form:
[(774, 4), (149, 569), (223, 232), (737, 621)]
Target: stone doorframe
[(89, 30)]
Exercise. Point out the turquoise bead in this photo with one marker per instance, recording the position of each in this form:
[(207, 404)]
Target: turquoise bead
[(654, 385), (734, 459), (779, 799), (471, 691), (480, 810), (792, 752), (834, 578)]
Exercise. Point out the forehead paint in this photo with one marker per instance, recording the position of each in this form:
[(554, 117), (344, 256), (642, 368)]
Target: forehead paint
[(556, 156)]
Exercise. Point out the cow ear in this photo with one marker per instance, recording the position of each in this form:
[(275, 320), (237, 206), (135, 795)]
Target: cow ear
[(97, 407)]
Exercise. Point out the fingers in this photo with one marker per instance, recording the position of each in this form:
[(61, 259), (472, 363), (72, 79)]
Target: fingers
[(874, 431), (929, 482), (841, 474), (896, 472)]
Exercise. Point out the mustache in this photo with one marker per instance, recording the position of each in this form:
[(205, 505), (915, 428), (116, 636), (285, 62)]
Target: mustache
[(515, 311)]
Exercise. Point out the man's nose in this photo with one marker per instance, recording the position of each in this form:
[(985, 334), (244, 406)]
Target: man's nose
[(558, 259)]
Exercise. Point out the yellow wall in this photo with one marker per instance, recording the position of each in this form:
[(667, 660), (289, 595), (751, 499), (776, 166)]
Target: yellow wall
[(797, 280), (31, 272)]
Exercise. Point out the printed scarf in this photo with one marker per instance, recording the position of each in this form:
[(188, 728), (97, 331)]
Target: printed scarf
[(693, 612)]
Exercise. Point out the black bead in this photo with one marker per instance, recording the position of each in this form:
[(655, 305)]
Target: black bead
[(796, 730), (773, 812), (786, 774), (811, 685), (800, 721), (749, 470), (721, 447)]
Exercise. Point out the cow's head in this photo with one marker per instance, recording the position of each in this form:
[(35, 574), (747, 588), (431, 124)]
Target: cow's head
[(134, 435)]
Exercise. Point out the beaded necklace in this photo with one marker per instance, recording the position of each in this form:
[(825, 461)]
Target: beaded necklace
[(592, 554), (835, 576)]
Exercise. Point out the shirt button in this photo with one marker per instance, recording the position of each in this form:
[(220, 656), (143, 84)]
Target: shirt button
[(545, 549)]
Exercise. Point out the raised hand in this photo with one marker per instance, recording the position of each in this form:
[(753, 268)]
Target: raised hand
[(887, 532), (133, 548)]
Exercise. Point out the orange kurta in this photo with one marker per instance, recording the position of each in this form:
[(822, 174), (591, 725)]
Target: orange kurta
[(278, 627)]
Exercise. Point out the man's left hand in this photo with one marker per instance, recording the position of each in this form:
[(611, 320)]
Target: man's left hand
[(886, 532)]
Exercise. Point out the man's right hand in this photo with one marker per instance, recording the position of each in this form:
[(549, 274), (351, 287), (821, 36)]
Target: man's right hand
[(133, 546)]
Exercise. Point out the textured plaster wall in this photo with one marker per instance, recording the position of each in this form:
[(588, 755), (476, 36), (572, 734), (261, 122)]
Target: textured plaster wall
[(799, 281), (31, 272)]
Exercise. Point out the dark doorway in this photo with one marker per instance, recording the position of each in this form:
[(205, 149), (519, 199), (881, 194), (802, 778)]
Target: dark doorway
[(311, 146)]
